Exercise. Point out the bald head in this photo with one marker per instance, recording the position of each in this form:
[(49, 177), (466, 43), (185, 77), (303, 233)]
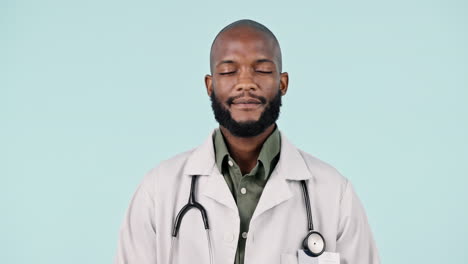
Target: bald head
[(245, 29)]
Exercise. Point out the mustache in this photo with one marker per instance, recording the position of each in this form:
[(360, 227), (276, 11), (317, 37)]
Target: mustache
[(230, 100)]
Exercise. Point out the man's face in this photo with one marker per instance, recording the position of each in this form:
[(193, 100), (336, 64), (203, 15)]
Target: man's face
[(246, 83)]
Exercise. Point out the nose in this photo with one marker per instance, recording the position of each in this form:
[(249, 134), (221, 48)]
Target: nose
[(245, 82)]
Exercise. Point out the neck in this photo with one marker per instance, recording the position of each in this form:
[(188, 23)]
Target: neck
[(245, 151)]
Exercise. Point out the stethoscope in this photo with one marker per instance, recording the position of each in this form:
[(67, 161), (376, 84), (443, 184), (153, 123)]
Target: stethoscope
[(313, 244)]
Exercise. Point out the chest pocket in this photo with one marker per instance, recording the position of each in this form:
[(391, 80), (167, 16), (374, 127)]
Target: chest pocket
[(325, 258)]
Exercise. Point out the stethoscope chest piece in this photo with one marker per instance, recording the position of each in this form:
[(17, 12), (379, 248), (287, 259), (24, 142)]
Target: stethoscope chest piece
[(314, 244)]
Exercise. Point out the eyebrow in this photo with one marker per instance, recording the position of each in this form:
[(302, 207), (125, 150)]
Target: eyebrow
[(225, 61), (257, 61), (265, 60)]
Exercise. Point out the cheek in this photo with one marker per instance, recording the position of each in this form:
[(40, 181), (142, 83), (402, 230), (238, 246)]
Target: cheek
[(220, 96), (269, 85), (268, 80), (224, 83)]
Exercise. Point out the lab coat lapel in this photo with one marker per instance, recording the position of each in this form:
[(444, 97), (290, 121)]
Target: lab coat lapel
[(217, 189), (211, 184), (291, 167)]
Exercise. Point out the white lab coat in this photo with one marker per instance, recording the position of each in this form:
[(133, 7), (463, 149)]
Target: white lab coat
[(277, 227)]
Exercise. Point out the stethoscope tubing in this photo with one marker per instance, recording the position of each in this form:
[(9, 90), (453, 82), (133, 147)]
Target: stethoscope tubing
[(193, 204), (305, 192)]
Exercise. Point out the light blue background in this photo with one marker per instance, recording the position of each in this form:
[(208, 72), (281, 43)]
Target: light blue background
[(96, 93)]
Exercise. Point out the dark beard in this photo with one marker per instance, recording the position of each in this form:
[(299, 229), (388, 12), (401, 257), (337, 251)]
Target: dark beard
[(248, 128)]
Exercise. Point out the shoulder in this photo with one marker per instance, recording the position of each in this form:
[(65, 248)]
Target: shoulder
[(175, 163), (166, 170), (320, 169), (169, 172), (325, 175)]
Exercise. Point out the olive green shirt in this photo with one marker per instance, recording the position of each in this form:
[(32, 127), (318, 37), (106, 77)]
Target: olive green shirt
[(246, 189)]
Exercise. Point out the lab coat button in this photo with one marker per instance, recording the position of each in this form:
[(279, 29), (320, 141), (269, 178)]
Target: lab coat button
[(228, 237), (230, 163), (244, 235), (243, 190)]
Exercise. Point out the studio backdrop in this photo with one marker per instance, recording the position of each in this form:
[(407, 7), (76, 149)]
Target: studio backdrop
[(93, 94)]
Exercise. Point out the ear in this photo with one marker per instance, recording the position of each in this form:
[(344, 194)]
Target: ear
[(284, 81), (209, 84)]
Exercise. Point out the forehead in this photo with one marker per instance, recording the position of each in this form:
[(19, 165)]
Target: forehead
[(243, 42)]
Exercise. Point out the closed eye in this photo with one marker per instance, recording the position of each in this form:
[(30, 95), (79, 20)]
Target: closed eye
[(226, 73), (266, 72)]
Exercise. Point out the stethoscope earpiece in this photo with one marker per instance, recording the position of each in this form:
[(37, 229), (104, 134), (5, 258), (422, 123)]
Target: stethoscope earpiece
[(314, 244)]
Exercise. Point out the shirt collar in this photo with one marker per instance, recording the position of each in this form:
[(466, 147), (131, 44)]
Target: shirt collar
[(270, 149), (291, 165), (221, 150)]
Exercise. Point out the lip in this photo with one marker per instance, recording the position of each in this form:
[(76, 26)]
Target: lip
[(246, 100), (246, 104), (246, 107)]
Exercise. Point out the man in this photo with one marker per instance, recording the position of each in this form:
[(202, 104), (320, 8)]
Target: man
[(248, 177)]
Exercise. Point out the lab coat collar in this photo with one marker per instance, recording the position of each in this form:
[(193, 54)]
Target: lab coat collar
[(291, 165), (202, 159)]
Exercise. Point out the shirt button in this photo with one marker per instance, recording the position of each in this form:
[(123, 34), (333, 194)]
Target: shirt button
[(243, 190), (244, 235), (230, 163)]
